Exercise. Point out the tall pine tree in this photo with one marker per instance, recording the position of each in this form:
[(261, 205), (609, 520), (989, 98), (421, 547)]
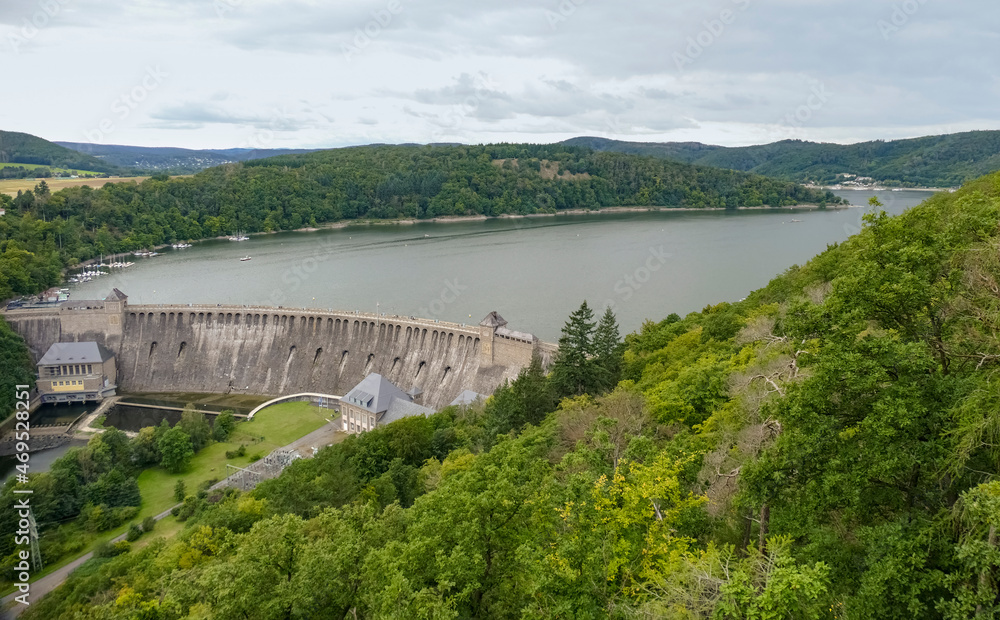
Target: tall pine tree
[(609, 351), (574, 372)]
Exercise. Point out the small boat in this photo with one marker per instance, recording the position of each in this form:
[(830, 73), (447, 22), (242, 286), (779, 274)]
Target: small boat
[(245, 258), (796, 220), (181, 246)]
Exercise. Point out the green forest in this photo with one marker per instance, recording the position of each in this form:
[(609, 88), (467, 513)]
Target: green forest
[(931, 161), (44, 232), (826, 448)]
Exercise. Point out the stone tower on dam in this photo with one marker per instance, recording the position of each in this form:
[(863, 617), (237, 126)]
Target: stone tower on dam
[(276, 351)]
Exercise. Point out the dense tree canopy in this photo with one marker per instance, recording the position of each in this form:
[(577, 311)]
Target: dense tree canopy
[(930, 161)]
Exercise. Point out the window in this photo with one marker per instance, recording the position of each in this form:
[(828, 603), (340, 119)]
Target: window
[(352, 427), (90, 369), (371, 420)]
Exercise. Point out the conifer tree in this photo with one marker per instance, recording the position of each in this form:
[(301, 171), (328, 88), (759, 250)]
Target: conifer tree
[(574, 372), (608, 351)]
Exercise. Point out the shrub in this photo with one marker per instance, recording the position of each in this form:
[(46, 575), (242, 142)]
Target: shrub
[(224, 424), (148, 524), (100, 518), (180, 490), (134, 532), (110, 550), (256, 457), (189, 507), (241, 451), (127, 513)]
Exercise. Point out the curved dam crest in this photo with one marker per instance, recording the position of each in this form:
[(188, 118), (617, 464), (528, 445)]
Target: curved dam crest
[(276, 351)]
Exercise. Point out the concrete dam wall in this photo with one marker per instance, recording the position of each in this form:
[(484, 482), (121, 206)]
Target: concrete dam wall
[(274, 352)]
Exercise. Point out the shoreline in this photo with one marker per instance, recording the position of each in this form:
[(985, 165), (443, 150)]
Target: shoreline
[(839, 188), (456, 219)]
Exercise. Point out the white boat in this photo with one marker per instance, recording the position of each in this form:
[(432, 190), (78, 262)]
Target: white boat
[(245, 258), (796, 220), (181, 246)]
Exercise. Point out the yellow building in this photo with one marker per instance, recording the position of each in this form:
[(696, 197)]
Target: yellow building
[(76, 372)]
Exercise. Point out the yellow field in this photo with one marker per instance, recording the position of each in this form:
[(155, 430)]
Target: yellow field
[(11, 186)]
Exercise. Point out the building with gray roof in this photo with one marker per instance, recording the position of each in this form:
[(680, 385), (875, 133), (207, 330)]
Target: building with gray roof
[(76, 372), (376, 402)]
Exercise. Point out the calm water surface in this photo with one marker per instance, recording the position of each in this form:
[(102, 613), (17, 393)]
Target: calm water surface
[(534, 271)]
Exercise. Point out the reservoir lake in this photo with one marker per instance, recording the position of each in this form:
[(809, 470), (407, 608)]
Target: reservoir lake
[(534, 271)]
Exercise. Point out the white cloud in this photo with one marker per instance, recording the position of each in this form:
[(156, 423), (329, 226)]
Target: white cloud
[(429, 70)]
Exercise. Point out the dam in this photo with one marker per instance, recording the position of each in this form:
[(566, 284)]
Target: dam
[(270, 351)]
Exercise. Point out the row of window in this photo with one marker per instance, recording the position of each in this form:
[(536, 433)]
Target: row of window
[(359, 418), (66, 383), (69, 369)]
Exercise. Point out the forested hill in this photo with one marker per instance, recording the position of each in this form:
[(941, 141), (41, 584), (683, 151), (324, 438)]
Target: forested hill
[(827, 448), (51, 230), (23, 148), (171, 160), (933, 161)]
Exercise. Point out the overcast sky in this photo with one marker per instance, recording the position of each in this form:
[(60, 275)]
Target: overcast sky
[(327, 73)]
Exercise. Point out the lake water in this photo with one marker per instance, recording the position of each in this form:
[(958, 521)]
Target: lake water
[(534, 271)]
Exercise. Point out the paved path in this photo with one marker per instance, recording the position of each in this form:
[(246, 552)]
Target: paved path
[(304, 446)]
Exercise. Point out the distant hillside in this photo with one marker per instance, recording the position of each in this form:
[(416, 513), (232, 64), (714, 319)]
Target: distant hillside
[(22, 148), (933, 161), (296, 191), (172, 160)]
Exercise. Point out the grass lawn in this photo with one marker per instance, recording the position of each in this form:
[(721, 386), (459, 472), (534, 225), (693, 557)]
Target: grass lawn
[(272, 428), (167, 527)]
